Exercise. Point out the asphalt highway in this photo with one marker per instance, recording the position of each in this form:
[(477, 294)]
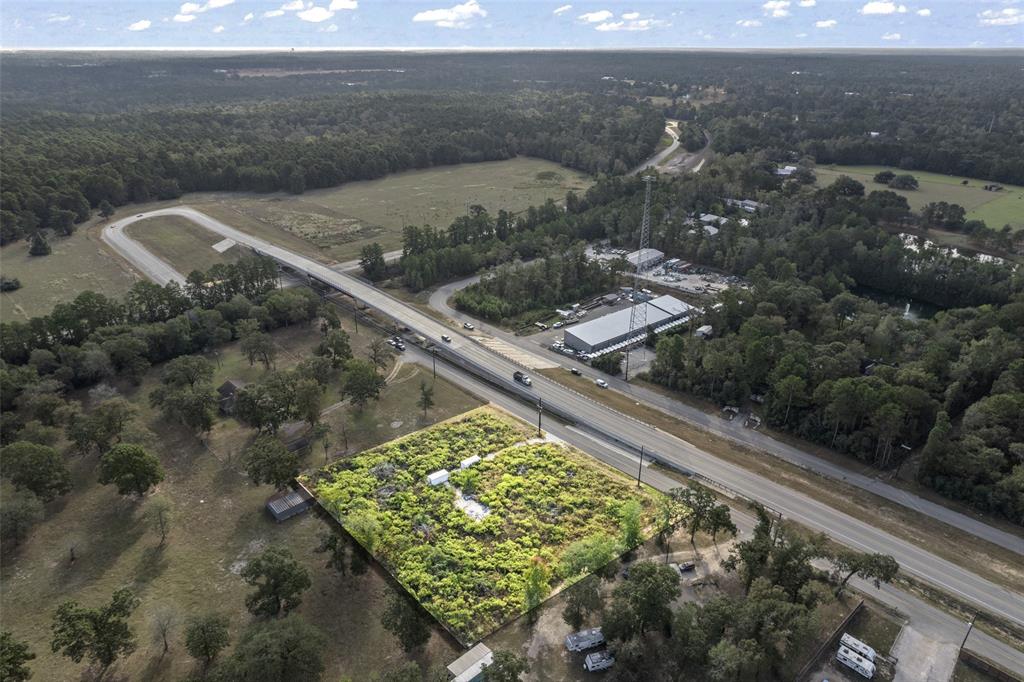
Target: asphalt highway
[(629, 432)]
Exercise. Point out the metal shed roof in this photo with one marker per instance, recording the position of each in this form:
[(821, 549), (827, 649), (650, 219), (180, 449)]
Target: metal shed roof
[(469, 666)]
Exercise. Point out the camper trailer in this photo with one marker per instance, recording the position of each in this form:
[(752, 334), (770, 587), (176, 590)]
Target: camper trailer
[(852, 659), (584, 639), (857, 646), (599, 660)]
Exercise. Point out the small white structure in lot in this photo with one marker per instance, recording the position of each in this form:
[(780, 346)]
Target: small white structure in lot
[(599, 660), (584, 639), (857, 646), (438, 477), (469, 461), (852, 659), (704, 331), (785, 171), (470, 666)]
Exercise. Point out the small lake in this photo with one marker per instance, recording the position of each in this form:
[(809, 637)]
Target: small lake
[(913, 309)]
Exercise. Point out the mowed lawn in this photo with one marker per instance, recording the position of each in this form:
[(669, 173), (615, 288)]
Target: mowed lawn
[(181, 243), (219, 523), (78, 262), (995, 208), (338, 222)]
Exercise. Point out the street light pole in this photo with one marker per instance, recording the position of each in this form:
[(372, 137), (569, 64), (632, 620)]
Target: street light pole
[(433, 359), (540, 412), (970, 626), (641, 469)]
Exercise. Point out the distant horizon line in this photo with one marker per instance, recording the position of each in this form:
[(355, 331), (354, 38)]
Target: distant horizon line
[(806, 48)]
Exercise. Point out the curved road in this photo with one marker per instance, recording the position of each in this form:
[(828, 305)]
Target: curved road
[(816, 515)]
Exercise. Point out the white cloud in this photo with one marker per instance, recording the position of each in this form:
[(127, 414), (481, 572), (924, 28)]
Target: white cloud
[(925, 12), (184, 18), (596, 17), (248, 17), (273, 13), (340, 5), (315, 14), (891, 36), (218, 29), (140, 25), (333, 28), (562, 10), (457, 16), (882, 7), (748, 23), (630, 16), (196, 8), (776, 8), (827, 23), (292, 6), (214, 4), (58, 18), (808, 3), (631, 25), (1008, 16), (191, 8)]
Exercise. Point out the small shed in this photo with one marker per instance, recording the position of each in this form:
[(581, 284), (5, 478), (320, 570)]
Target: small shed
[(704, 331), (469, 461), (295, 435), (470, 666), (289, 503), (227, 394), (438, 477)]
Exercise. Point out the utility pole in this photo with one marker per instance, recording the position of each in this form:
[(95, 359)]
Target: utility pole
[(433, 359), (970, 626), (641, 469), (540, 413), (638, 313)]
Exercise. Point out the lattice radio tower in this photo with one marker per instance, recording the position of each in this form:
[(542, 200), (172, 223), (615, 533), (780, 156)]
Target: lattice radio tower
[(638, 313)]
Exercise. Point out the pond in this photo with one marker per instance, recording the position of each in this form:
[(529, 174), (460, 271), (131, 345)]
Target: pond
[(913, 309)]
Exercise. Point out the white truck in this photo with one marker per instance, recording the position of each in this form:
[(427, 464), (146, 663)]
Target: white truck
[(857, 646), (584, 639), (851, 659), (599, 660)]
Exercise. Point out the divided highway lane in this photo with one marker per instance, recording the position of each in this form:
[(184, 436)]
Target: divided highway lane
[(816, 515)]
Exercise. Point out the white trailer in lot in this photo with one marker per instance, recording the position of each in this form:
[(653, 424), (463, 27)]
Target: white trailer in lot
[(584, 639), (599, 660), (851, 659), (857, 646)]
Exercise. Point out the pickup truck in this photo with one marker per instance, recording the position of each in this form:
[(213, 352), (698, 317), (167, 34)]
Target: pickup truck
[(522, 378)]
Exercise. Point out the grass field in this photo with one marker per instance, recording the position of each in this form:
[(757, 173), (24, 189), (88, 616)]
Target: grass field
[(995, 208), (78, 262), (465, 549), (219, 522), (180, 242)]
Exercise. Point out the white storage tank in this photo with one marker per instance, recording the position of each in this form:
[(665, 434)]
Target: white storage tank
[(438, 477)]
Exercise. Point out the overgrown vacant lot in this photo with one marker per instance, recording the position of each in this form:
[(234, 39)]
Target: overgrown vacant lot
[(471, 550), (995, 208), (181, 243)]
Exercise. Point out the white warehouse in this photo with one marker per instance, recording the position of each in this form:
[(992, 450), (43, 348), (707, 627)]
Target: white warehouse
[(647, 258), (612, 330)]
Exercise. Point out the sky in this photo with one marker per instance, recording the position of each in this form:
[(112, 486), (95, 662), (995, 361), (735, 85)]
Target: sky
[(350, 24)]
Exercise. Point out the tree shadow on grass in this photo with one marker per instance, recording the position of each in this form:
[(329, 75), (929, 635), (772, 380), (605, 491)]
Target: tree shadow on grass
[(98, 544), (151, 565)]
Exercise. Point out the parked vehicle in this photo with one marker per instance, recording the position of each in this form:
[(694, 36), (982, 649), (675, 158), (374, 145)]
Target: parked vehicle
[(857, 646), (400, 346), (575, 371), (540, 325), (568, 351), (522, 378), (468, 325), (584, 639), (558, 325), (855, 661), (446, 338), (599, 660), (601, 383)]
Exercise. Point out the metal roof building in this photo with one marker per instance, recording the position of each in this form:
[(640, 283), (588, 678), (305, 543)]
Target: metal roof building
[(470, 666), (647, 258), (612, 330), (286, 504)]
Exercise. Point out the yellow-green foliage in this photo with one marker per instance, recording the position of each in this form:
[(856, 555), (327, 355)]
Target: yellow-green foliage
[(471, 574)]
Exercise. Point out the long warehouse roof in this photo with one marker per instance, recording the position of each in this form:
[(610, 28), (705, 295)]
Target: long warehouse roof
[(616, 324)]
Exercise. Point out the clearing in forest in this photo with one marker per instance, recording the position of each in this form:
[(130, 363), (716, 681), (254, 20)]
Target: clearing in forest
[(1005, 207), (471, 548)]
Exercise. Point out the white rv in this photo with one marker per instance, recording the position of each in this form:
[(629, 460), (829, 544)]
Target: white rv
[(599, 660), (852, 659), (584, 639), (857, 646)]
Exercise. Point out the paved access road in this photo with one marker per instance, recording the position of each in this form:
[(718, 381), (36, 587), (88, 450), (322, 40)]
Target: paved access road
[(736, 432), (591, 415)]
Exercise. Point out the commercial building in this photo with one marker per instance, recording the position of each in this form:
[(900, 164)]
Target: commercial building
[(647, 258), (611, 332)]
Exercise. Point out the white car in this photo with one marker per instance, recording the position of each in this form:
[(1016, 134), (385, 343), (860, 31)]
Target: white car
[(468, 325), (601, 383), (446, 338)]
